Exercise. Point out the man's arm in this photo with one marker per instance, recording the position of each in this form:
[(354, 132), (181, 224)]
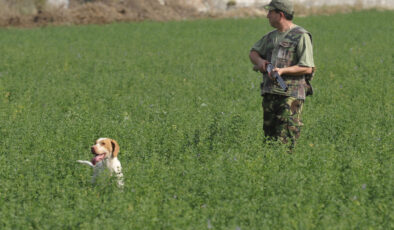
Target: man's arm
[(294, 70), (259, 63), (305, 63)]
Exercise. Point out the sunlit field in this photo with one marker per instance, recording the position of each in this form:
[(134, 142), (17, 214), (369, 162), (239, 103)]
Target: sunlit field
[(183, 103)]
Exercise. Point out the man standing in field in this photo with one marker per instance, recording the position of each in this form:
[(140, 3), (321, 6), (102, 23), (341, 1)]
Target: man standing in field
[(289, 49)]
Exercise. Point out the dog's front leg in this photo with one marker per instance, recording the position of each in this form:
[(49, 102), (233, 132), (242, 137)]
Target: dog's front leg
[(119, 176), (116, 167)]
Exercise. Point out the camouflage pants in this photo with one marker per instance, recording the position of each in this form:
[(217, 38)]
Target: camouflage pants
[(282, 118)]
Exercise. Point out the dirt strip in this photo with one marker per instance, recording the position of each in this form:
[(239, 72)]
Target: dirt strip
[(136, 10)]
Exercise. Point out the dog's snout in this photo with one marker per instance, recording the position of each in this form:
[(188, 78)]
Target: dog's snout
[(92, 149)]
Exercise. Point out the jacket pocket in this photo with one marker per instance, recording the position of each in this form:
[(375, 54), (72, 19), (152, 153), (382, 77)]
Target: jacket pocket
[(285, 55)]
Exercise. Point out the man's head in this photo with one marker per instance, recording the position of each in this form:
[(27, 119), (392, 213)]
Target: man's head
[(285, 6)]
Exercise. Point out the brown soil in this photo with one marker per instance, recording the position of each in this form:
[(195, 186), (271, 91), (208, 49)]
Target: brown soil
[(109, 11)]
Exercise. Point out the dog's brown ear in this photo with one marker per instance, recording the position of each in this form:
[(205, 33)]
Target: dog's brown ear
[(115, 148)]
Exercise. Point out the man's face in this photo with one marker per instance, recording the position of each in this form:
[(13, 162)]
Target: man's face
[(274, 18)]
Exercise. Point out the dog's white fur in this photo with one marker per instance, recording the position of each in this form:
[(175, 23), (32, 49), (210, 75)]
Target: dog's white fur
[(106, 157)]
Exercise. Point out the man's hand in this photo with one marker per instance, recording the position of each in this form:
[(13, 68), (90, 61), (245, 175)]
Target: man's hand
[(279, 70), (276, 69), (261, 66)]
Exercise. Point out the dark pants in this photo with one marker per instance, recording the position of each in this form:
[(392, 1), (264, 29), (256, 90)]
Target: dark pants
[(282, 117)]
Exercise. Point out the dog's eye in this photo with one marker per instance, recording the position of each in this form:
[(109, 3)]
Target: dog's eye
[(102, 143)]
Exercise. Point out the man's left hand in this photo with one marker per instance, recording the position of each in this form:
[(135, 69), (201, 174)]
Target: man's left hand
[(279, 70)]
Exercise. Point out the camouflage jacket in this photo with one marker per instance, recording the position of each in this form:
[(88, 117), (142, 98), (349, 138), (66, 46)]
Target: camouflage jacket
[(283, 54)]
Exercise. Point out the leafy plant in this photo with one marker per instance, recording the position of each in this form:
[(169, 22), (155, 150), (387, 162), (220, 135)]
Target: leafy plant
[(184, 105)]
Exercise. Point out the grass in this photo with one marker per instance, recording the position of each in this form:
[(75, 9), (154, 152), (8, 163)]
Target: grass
[(183, 103)]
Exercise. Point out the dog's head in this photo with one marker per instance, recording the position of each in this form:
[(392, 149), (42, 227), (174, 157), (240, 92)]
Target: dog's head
[(104, 148)]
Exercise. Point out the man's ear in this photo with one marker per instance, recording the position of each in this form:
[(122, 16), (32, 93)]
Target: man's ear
[(115, 148)]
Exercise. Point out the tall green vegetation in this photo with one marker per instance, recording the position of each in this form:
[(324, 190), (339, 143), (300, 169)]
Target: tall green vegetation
[(183, 102)]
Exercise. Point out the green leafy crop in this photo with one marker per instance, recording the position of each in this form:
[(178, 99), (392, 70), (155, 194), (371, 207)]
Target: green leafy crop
[(182, 101)]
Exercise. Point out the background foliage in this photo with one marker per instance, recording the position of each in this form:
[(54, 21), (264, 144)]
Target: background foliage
[(183, 103)]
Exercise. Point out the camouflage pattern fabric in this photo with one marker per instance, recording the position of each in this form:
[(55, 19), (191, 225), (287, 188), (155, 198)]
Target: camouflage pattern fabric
[(282, 118), (282, 53)]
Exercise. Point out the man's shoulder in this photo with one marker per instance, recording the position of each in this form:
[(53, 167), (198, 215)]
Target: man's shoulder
[(299, 30), (271, 33)]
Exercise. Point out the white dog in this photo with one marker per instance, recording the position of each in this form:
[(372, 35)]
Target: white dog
[(105, 152)]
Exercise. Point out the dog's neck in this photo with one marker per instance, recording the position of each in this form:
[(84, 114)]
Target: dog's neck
[(109, 159)]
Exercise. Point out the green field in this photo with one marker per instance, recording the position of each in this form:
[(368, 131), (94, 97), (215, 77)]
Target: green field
[(183, 102)]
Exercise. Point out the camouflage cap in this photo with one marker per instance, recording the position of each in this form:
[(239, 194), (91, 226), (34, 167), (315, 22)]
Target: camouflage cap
[(283, 5)]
